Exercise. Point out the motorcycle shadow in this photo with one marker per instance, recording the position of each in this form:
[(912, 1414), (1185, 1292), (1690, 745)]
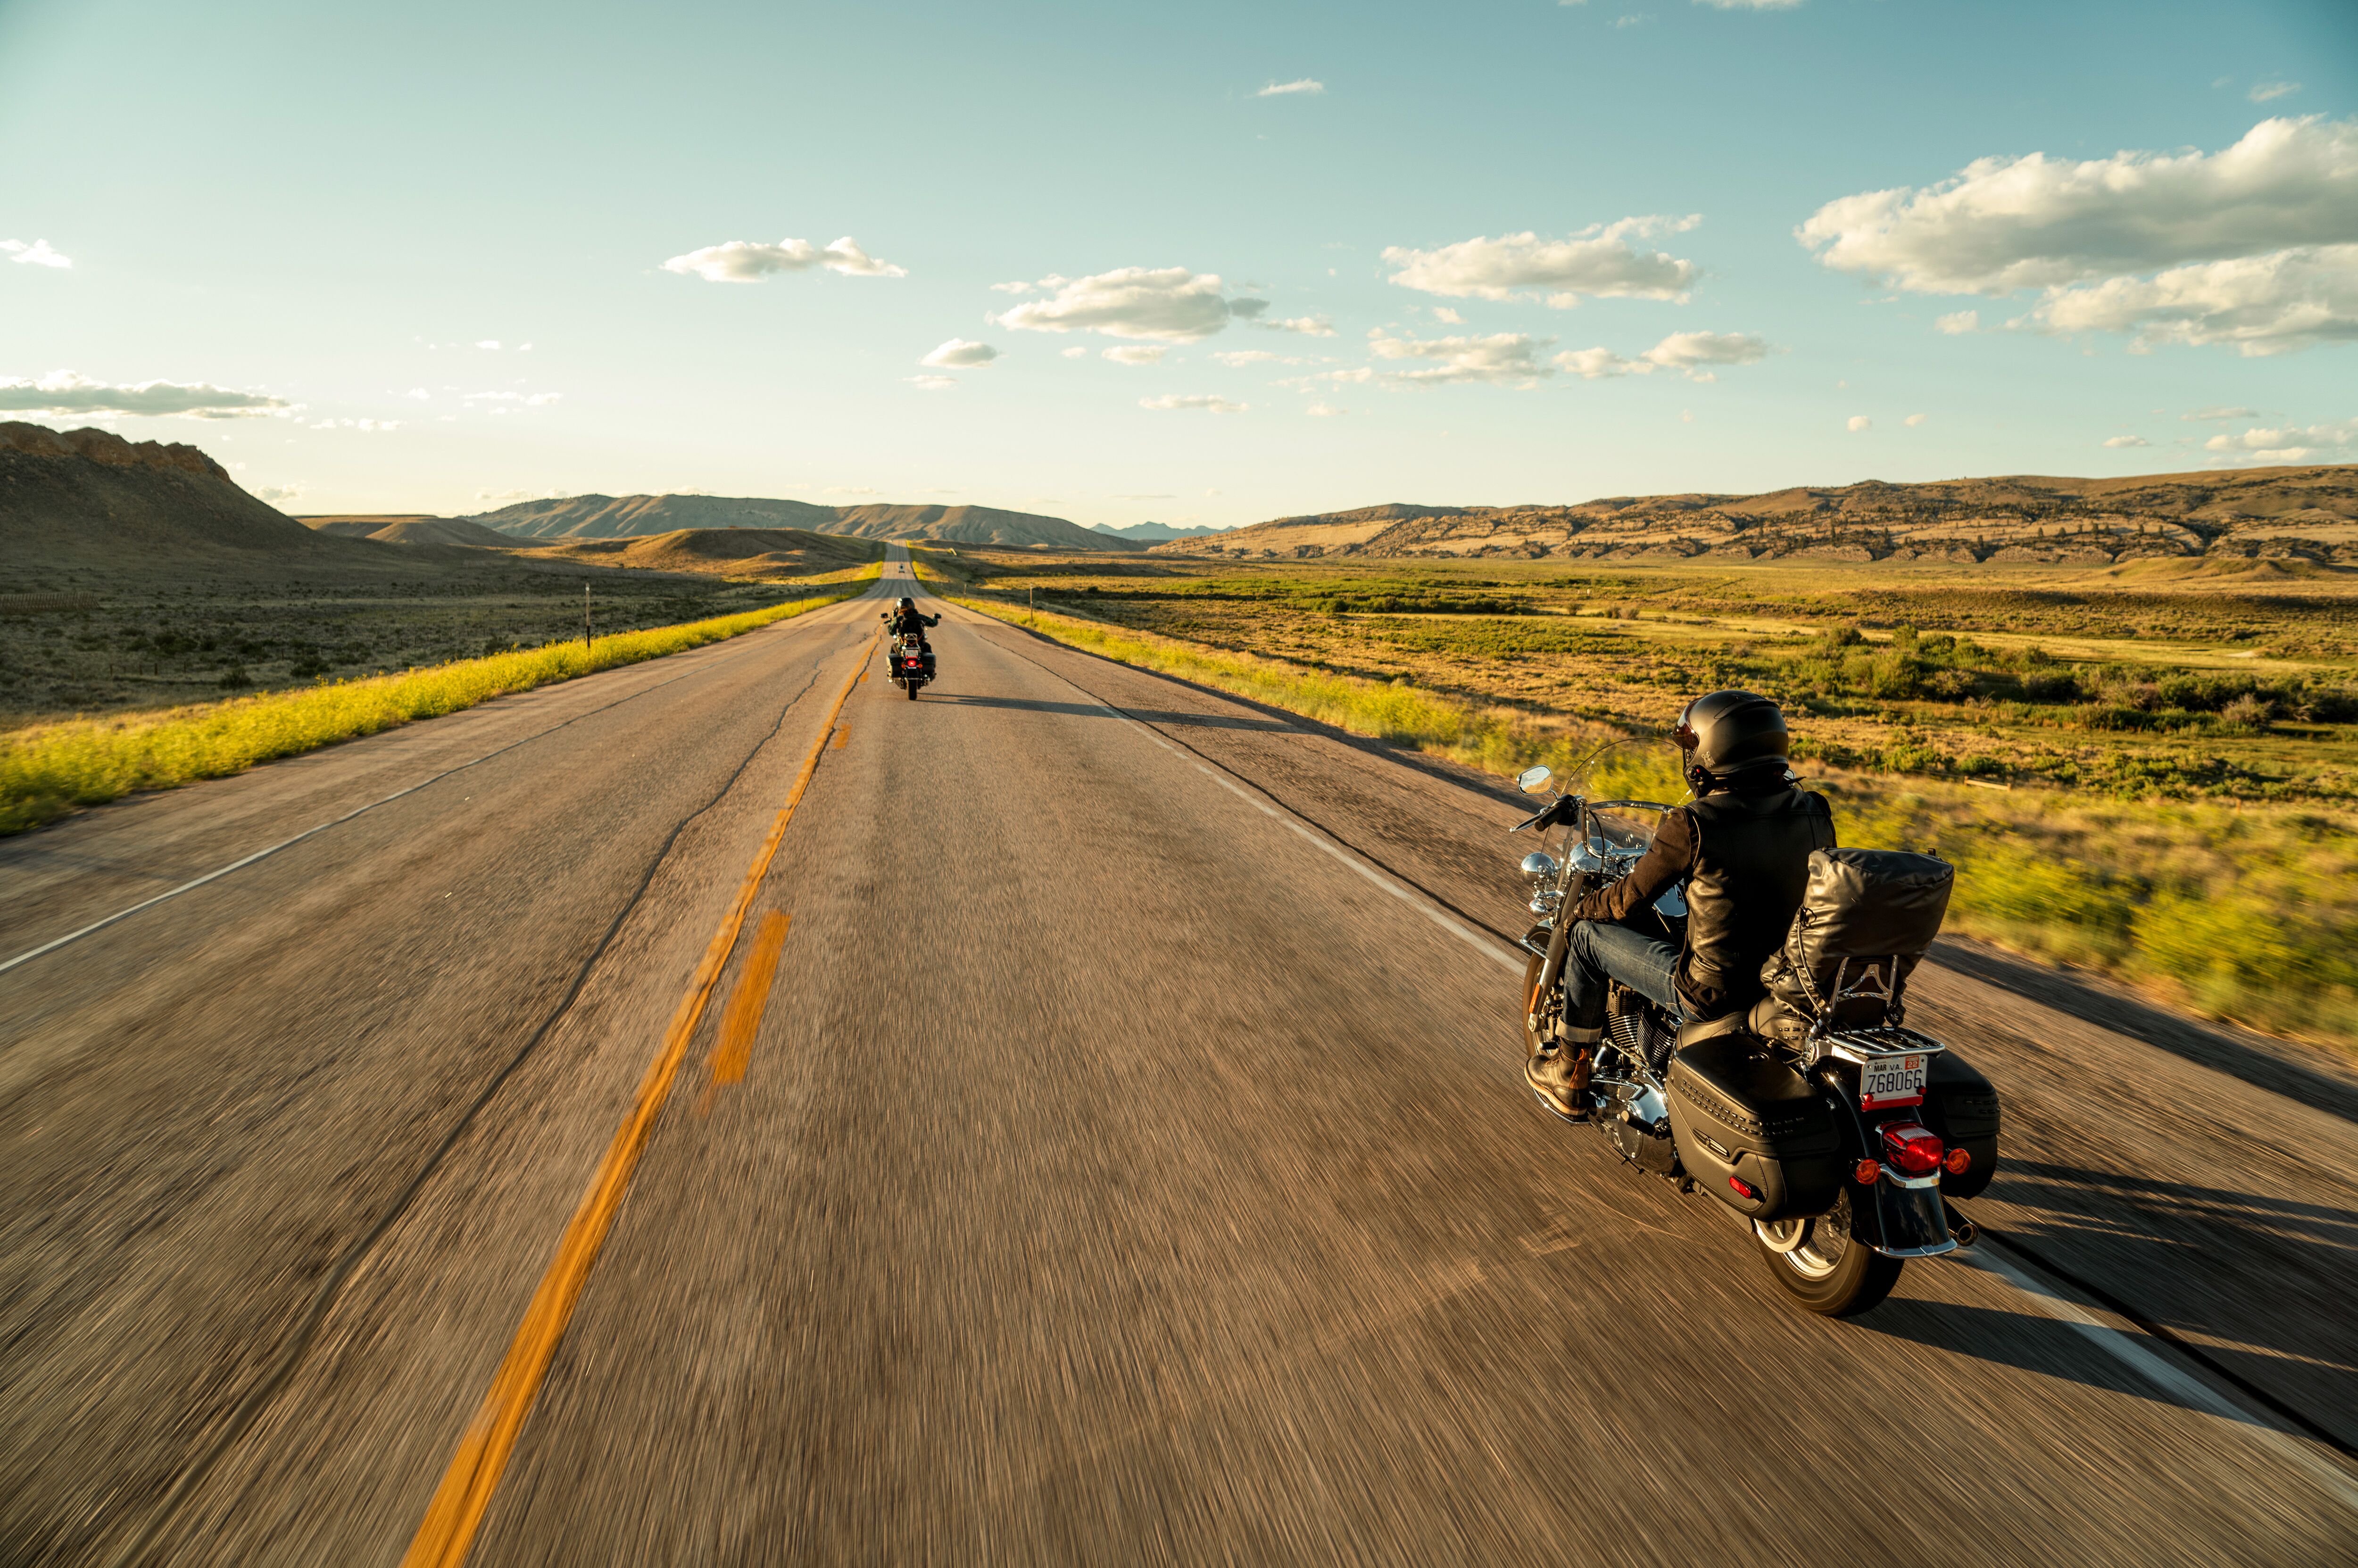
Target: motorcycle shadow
[(2254, 1285)]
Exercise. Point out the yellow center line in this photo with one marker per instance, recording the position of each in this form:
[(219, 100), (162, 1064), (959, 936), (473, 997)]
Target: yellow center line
[(448, 1532), (743, 1016)]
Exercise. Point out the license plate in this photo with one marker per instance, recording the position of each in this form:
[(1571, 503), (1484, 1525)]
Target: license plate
[(1895, 1080)]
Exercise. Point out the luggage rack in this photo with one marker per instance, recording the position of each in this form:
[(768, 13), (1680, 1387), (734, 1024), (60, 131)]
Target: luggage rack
[(1864, 1047)]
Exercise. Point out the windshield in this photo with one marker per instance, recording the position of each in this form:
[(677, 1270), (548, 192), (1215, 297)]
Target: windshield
[(1644, 772)]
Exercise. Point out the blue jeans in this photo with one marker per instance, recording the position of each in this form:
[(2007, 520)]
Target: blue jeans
[(1646, 965)]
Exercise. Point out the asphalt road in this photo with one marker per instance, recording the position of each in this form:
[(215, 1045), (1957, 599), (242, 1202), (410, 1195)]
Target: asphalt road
[(1125, 1161)]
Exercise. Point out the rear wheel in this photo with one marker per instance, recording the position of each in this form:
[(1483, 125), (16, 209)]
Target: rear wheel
[(1822, 1265), (911, 687)]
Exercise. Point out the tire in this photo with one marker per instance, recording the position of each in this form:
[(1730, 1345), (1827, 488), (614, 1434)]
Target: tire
[(911, 687), (1832, 1281)]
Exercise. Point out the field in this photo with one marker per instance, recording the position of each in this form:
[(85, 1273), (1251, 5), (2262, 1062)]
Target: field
[(48, 770), (154, 643), (2151, 768)]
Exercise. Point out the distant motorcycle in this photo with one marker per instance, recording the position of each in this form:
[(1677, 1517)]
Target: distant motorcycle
[(912, 664), (1818, 1117)]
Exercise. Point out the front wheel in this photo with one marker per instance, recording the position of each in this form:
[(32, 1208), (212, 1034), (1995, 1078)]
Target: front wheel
[(1822, 1265), (1534, 1004)]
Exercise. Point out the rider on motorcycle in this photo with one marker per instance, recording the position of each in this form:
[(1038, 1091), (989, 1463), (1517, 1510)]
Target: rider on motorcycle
[(1742, 848), (906, 622)]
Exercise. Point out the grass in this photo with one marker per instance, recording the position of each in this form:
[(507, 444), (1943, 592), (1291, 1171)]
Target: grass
[(2236, 910), (49, 770)]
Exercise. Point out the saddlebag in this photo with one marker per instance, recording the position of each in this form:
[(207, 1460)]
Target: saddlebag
[(1753, 1130), (1961, 1109), (1867, 920)]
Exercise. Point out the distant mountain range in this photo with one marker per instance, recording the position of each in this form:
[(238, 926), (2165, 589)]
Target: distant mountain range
[(1152, 532), (407, 528), (2310, 511), (628, 516)]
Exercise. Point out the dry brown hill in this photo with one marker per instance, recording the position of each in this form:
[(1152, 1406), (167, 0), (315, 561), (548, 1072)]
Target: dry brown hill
[(720, 552), (631, 516), (2309, 511), (628, 516), (408, 528), (91, 507), (973, 525)]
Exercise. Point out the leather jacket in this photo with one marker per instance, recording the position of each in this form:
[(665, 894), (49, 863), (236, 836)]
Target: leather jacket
[(910, 622), (1744, 854)]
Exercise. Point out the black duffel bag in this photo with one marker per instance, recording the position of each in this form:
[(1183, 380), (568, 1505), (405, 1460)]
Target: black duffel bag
[(1867, 920)]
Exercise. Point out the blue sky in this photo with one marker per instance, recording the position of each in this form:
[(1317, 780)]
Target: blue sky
[(299, 222)]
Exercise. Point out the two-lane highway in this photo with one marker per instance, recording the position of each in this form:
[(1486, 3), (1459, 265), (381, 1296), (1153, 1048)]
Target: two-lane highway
[(1090, 1152)]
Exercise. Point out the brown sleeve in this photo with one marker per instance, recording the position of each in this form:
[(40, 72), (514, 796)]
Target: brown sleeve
[(1669, 857)]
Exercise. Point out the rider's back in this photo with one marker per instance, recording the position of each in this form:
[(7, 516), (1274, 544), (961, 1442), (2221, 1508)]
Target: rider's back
[(1752, 865)]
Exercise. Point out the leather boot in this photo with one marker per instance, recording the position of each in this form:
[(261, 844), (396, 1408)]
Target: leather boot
[(1558, 1074)]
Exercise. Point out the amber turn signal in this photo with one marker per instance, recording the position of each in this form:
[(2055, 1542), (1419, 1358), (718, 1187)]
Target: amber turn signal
[(1959, 1162), (1868, 1170)]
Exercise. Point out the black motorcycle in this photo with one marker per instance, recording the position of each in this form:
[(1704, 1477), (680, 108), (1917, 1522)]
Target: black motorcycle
[(1818, 1117), (912, 662)]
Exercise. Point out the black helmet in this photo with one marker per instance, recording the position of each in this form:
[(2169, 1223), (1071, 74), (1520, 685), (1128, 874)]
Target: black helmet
[(1728, 731), (906, 603)]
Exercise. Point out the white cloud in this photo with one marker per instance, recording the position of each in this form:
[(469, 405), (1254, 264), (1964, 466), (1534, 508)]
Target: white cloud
[(1324, 411), (1686, 351), (372, 426), (1599, 261), (2202, 415), (2262, 91), (1444, 314), (275, 493), (1505, 358), (1958, 322), (1203, 400), (2255, 247), (523, 399), (1915, 421), (1683, 352), (1169, 303), (932, 383), (491, 343), (2257, 305), (1308, 326), (740, 262), (2001, 224), (1136, 354), (1074, 354), (961, 354), (1859, 422), (38, 253), (63, 391), (1237, 357), (1281, 89), (1016, 287), (2126, 441), (2289, 444), (420, 394)]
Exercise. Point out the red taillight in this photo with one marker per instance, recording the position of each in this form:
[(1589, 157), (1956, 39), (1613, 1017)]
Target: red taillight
[(1869, 1171), (1743, 1189), (1911, 1148), (1959, 1162)]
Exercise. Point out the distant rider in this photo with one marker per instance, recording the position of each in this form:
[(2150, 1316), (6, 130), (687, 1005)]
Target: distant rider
[(902, 621), (1742, 848)]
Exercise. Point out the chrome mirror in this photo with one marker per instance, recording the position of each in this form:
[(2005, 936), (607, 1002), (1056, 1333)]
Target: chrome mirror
[(1530, 778)]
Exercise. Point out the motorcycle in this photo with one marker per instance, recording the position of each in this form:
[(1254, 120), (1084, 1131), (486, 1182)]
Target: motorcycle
[(911, 663), (1834, 1131)]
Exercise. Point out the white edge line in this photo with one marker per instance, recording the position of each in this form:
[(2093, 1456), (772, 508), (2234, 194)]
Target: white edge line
[(1479, 943), (72, 936), (2158, 1371)]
